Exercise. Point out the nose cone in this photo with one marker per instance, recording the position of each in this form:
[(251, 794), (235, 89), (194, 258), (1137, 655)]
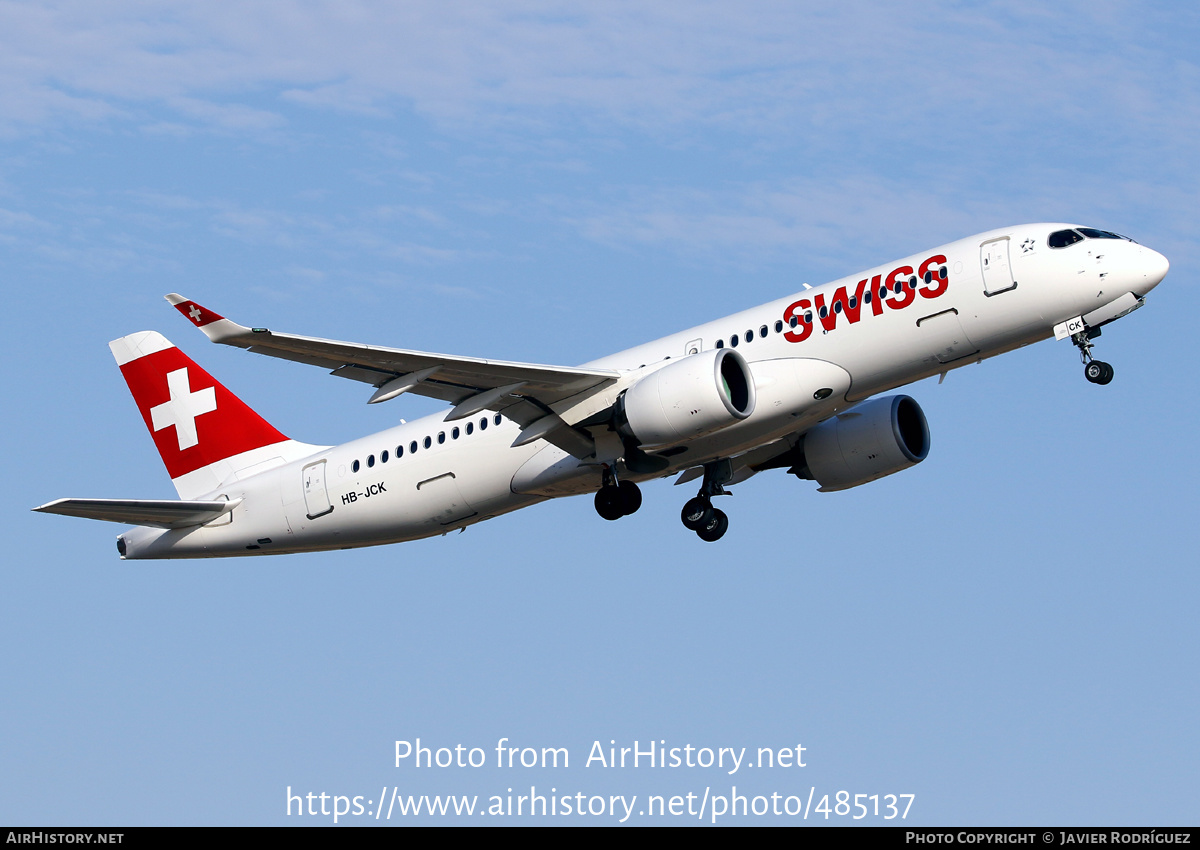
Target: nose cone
[(1152, 268)]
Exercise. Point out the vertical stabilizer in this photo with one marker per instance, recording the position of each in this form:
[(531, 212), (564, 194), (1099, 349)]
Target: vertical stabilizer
[(207, 437)]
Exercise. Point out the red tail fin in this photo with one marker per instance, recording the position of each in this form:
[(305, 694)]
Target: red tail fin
[(204, 433)]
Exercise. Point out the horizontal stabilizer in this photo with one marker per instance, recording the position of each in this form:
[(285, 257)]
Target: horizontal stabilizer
[(156, 513)]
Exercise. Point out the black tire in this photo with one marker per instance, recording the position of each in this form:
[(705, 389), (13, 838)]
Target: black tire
[(1098, 372), (608, 503), (696, 513), (715, 528), (630, 497)]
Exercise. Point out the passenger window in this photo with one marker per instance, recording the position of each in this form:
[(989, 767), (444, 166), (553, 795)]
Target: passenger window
[(454, 434), (470, 428), (778, 326), (370, 461), (793, 321), (763, 331), (441, 437), (399, 452), (354, 466), (749, 336), (733, 341), (496, 418), (383, 457), (720, 343), (428, 442), (483, 424), (412, 447)]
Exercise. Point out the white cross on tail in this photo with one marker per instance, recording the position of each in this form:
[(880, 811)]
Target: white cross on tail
[(183, 408)]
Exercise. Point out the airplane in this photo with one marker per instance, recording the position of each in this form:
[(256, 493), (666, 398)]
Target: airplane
[(793, 384)]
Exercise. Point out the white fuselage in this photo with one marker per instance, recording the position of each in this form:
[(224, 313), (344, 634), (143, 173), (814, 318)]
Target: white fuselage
[(1001, 290)]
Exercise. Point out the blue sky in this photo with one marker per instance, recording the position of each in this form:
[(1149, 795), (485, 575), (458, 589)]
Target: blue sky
[(1007, 631)]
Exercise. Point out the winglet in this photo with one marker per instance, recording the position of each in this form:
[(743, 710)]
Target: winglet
[(215, 326)]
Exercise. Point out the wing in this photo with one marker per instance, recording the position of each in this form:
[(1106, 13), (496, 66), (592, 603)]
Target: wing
[(524, 392), (157, 513)]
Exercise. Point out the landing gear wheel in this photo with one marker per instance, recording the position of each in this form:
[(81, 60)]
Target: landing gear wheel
[(697, 513), (608, 503), (614, 501), (715, 528), (630, 497), (1098, 372)]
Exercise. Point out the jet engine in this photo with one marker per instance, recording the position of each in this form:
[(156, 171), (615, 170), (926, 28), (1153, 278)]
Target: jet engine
[(868, 442), (691, 397)]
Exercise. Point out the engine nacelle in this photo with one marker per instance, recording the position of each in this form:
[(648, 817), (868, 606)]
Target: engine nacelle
[(691, 397), (868, 442)]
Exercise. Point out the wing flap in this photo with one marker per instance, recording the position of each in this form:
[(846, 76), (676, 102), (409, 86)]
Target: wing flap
[(156, 513)]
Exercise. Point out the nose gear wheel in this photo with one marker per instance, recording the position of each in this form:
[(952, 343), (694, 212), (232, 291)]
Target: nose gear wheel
[(1096, 371)]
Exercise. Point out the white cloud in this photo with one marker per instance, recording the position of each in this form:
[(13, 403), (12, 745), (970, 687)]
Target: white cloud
[(875, 119), (782, 71), (845, 219), (226, 116), (11, 220)]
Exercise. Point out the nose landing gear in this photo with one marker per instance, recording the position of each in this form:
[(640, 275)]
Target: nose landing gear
[(1096, 371), (698, 514)]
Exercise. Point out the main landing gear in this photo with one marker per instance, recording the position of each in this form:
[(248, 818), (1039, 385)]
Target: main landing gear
[(1096, 371), (615, 500), (698, 514)]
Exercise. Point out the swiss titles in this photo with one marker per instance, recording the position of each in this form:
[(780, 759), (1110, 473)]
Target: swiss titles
[(895, 291)]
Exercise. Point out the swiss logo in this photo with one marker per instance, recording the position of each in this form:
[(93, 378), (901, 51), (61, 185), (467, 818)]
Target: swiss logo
[(182, 408)]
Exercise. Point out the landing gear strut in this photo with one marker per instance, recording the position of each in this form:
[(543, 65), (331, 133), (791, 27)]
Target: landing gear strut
[(615, 500), (698, 514), (1096, 371)]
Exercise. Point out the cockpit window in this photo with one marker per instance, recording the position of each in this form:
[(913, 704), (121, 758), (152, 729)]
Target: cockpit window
[(1063, 238), (1093, 233)]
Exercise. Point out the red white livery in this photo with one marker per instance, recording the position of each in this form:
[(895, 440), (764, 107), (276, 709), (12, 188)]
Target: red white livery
[(787, 385)]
